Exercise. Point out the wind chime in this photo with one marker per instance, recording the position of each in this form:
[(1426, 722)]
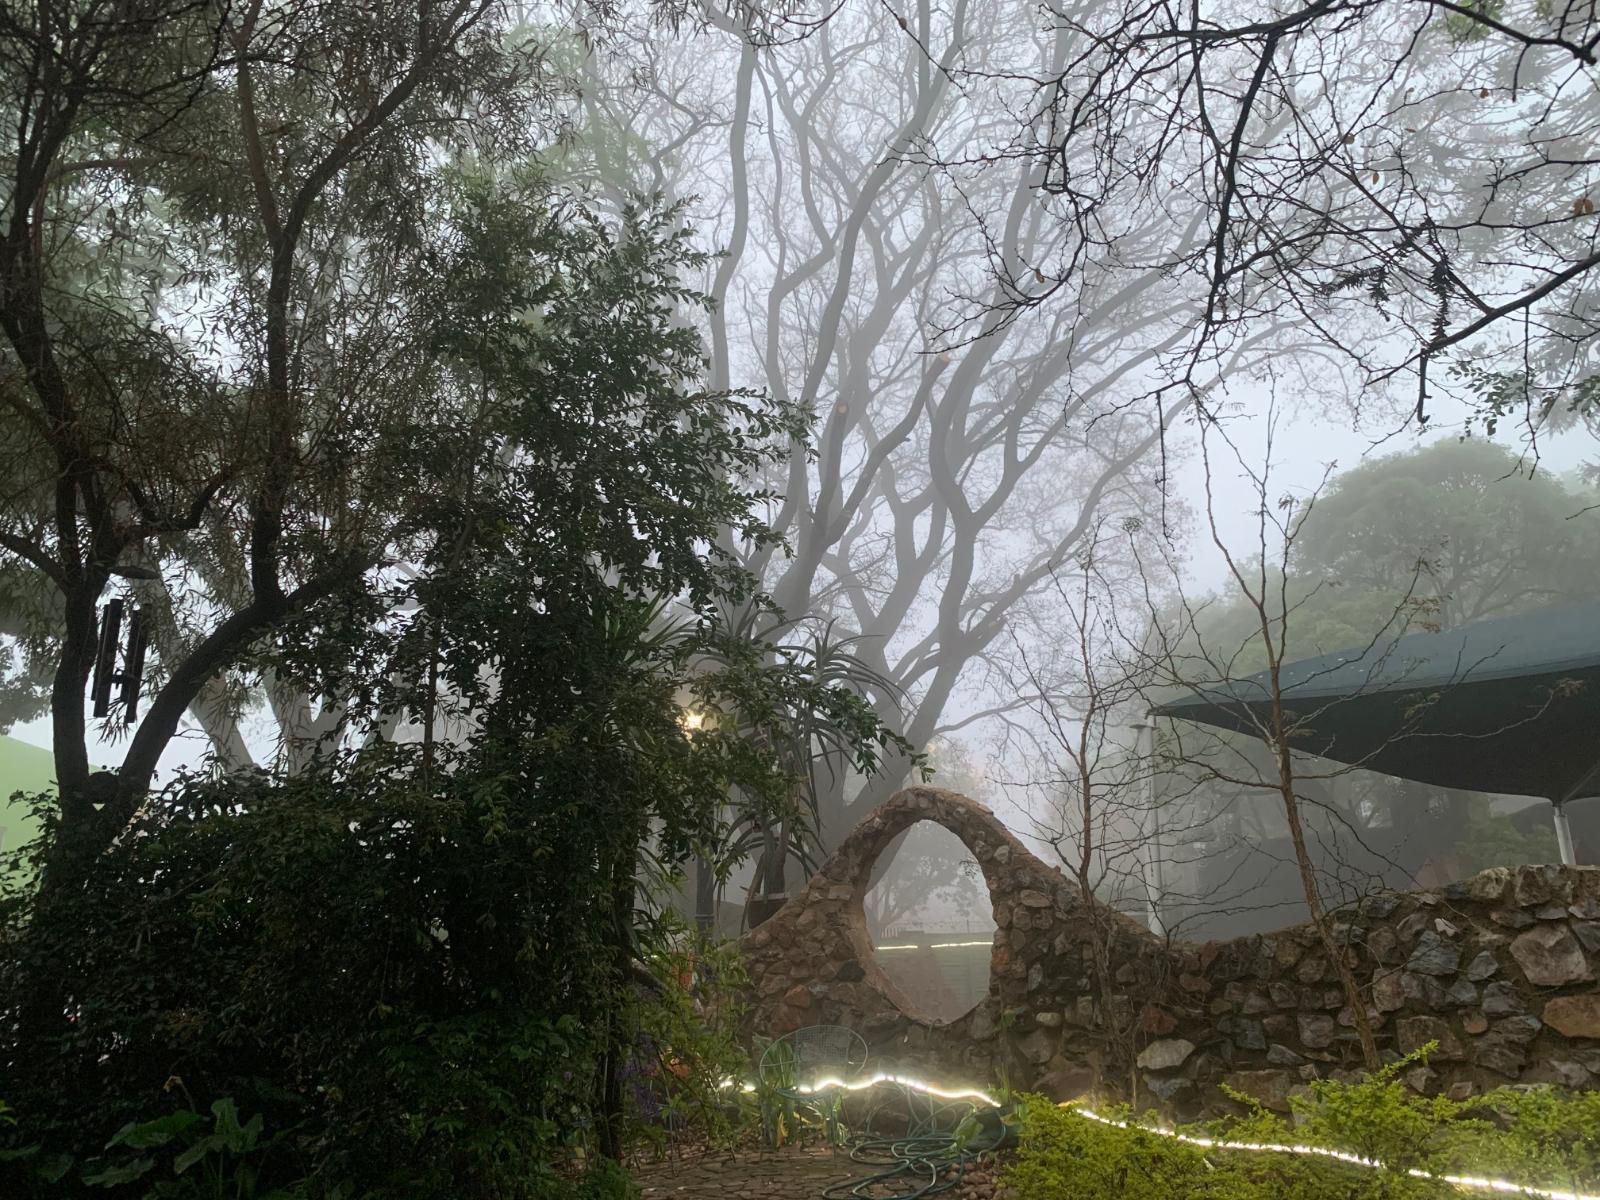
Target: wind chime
[(105, 661)]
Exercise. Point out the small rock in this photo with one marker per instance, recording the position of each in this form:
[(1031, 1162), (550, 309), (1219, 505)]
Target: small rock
[(1574, 1016), (983, 1026), (1434, 956), (1462, 994), (1424, 1080), (1066, 1083), (1379, 906), (1246, 1034), (1413, 1032), (1316, 1030), (1169, 1089), (1383, 946), (1502, 999), (1552, 912), (1511, 918), (1588, 932), (1460, 1090), (1280, 1026), (1048, 1018), (1475, 1023), (1313, 968), (1483, 966), (1256, 1003), (1422, 990), (1269, 1088), (1489, 886), (1280, 1055), (1039, 1046), (1285, 953), (1156, 1020), (1550, 956), (1165, 1054), (1540, 884), (1388, 992), (1445, 928), (1283, 994), (1034, 899), (1498, 1055), (1521, 1029), (1413, 925)]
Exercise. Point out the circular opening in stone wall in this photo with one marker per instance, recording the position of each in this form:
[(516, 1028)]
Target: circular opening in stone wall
[(930, 922)]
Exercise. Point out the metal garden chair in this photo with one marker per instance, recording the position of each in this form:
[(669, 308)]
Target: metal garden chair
[(809, 1070)]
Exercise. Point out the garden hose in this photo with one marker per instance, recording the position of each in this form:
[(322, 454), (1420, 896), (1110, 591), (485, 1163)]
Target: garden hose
[(932, 1156)]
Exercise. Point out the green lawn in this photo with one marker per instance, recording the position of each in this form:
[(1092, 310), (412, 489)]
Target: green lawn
[(23, 768)]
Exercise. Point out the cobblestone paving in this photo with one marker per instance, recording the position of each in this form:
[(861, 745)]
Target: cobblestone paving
[(790, 1174)]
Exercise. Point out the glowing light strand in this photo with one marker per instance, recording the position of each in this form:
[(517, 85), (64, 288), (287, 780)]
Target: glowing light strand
[(939, 945), (905, 1081), (1504, 1186)]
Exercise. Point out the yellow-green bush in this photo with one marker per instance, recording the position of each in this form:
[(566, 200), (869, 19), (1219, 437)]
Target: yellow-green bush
[(1536, 1136)]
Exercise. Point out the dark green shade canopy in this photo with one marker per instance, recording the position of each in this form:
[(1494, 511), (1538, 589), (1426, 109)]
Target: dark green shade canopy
[(1510, 705)]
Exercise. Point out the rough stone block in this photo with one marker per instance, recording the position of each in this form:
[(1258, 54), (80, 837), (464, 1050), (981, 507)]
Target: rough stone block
[(1550, 956), (1574, 1016)]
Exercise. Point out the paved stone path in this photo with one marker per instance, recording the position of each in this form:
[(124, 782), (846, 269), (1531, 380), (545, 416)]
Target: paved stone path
[(788, 1174)]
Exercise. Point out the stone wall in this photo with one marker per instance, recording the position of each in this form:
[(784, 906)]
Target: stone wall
[(1499, 970)]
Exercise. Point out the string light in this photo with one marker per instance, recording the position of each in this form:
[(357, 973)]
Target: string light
[(1477, 1183), (1505, 1186), (915, 1085), (939, 945)]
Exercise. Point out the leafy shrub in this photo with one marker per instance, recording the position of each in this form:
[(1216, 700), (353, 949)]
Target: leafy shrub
[(222, 1163), (393, 972), (1533, 1136), (1066, 1156), (689, 1050)]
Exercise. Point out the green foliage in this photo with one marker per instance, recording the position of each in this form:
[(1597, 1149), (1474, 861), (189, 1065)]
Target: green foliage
[(1551, 1138), (1487, 840), (1454, 532), (1533, 1136), (691, 1063), (1065, 1156), (1464, 27), (224, 1162)]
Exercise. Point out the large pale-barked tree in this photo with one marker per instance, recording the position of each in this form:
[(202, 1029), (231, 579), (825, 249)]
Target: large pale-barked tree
[(966, 445)]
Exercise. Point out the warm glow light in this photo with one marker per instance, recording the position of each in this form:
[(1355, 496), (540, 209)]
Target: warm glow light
[(939, 945), (1466, 1181), (692, 719), (916, 1085), (1504, 1186)]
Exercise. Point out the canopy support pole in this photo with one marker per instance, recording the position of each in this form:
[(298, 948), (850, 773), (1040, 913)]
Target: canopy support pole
[(1558, 814), (1154, 887)]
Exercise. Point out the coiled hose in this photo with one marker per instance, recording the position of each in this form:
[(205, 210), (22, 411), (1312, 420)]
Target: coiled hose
[(942, 1142)]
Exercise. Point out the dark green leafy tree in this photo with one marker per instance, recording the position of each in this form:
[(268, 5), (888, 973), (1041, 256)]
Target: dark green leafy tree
[(223, 341), (462, 1014), (1458, 531)]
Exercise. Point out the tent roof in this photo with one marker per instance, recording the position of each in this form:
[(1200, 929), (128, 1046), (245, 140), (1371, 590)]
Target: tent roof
[(1508, 705)]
